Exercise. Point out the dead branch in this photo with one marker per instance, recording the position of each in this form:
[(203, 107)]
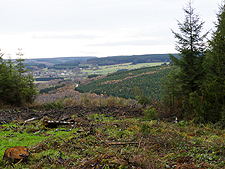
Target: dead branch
[(30, 120), (139, 145), (121, 143)]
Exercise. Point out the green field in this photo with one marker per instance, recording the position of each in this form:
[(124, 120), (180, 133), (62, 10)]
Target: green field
[(103, 70)]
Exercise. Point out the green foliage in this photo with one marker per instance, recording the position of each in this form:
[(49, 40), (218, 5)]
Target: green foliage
[(199, 82), (191, 46), (121, 101), (93, 75), (15, 88), (213, 96), (32, 66), (143, 100), (65, 66), (20, 66), (209, 101), (127, 59), (59, 60), (182, 123), (46, 90), (145, 129), (122, 84), (48, 78), (110, 101), (68, 102), (172, 93), (150, 113), (222, 120), (111, 142), (85, 100)]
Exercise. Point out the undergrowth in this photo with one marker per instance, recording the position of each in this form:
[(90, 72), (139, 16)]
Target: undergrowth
[(103, 141), (87, 100)]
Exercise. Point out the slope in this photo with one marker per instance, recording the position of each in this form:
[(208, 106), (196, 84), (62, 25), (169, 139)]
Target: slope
[(122, 84)]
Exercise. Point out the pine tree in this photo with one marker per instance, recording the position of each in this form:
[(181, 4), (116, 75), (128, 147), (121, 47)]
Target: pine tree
[(171, 92), (19, 62), (191, 47), (15, 88), (213, 90), (6, 81)]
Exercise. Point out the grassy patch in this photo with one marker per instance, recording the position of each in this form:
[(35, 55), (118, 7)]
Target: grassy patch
[(103, 70)]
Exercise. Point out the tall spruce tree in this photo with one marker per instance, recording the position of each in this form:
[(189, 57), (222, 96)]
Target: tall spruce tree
[(191, 47), (212, 105)]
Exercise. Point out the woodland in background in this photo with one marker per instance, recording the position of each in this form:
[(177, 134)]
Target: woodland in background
[(123, 83), (127, 59)]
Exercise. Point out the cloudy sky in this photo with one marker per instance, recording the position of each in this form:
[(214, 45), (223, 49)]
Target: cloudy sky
[(63, 28)]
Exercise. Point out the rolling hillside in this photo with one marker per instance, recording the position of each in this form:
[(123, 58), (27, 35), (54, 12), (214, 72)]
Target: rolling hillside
[(111, 60), (122, 84)]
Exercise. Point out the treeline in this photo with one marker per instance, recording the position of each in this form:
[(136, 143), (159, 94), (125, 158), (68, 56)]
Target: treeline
[(48, 78), (134, 59), (59, 60), (93, 75), (15, 88), (68, 65), (46, 90), (64, 66), (194, 88), (32, 66), (123, 84)]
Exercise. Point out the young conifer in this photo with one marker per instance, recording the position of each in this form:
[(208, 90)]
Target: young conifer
[(213, 90), (191, 47)]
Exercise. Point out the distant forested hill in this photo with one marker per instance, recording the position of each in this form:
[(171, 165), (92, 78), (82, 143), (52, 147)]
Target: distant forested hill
[(134, 59), (60, 60), (122, 84)]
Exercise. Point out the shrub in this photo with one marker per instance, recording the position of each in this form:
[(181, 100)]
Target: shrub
[(69, 102), (16, 88), (145, 129), (110, 101), (95, 103), (143, 100), (150, 113), (85, 100), (121, 101)]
